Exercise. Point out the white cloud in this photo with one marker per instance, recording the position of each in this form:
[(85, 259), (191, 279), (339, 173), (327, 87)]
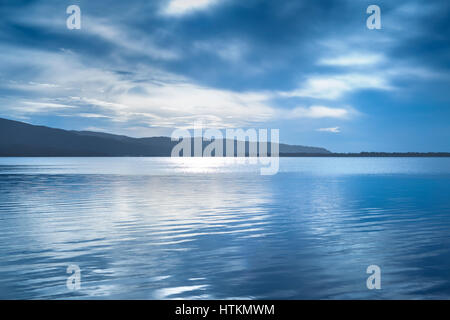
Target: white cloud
[(163, 99), (335, 86), (132, 40), (354, 59), (181, 103), (41, 107), (95, 129), (91, 115), (317, 112), (229, 50), (47, 85), (180, 7), (332, 130)]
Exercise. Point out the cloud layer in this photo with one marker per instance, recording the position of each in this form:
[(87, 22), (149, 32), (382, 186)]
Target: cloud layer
[(160, 65)]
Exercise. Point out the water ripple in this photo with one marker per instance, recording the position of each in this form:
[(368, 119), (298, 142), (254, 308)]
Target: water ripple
[(219, 230)]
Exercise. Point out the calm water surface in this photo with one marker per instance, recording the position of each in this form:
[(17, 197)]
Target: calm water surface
[(161, 228)]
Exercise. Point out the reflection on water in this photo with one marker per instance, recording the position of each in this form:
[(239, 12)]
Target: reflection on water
[(166, 228)]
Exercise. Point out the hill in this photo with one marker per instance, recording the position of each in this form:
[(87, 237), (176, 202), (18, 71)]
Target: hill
[(22, 139)]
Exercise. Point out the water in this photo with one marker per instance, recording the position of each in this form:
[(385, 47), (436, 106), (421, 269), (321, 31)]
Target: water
[(161, 228)]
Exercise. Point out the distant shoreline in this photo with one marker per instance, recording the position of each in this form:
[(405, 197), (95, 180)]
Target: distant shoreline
[(282, 155), (373, 155), (19, 139)]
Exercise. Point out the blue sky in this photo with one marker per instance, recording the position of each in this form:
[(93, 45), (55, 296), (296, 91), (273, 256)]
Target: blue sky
[(310, 68)]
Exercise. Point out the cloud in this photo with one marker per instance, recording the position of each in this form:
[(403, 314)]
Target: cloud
[(41, 107), (163, 99), (228, 50), (95, 129), (317, 112), (335, 86), (91, 115), (352, 60), (133, 41), (148, 97), (179, 104), (159, 64), (332, 130), (180, 7)]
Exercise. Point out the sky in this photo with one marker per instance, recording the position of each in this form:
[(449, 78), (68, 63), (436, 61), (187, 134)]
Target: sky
[(311, 69)]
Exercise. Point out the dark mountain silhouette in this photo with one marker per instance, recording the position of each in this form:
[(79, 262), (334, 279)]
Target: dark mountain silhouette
[(22, 139)]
